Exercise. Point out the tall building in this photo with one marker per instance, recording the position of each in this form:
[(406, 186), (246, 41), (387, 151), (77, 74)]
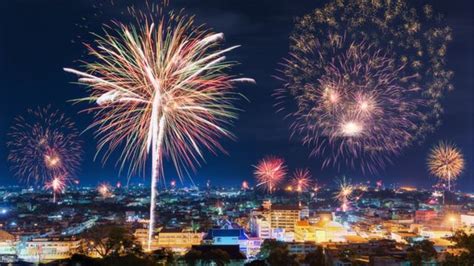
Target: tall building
[(276, 221), (284, 217)]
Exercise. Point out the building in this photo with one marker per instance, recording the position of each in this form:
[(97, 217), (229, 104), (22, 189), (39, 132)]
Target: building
[(178, 240), (301, 248), (260, 227), (45, 250), (227, 237), (467, 219), (8, 245), (285, 217), (422, 216), (141, 235), (304, 231)]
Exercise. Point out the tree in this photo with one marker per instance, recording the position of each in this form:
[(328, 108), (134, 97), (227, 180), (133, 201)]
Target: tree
[(218, 256), (465, 244), (192, 257), (280, 256), (112, 240), (315, 258), (268, 246), (256, 263), (163, 255), (420, 252)]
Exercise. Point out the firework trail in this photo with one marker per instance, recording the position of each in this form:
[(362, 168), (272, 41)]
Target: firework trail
[(446, 162), (161, 88), (269, 172), (57, 185), (44, 145), (364, 88)]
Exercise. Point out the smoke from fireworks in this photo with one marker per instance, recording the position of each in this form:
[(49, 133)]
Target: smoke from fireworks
[(365, 84), (43, 145), (446, 162), (160, 88), (301, 180), (269, 172)]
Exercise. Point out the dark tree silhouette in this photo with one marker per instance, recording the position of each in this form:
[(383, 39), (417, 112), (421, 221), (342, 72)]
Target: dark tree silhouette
[(421, 252)]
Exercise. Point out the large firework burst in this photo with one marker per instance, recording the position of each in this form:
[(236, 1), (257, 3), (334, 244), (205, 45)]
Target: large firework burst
[(446, 162), (366, 84), (160, 88), (269, 172), (43, 145)]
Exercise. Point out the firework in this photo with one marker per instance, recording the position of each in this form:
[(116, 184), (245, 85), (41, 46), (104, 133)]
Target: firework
[(160, 88), (363, 87), (44, 145), (269, 172), (446, 162), (301, 180), (57, 184), (173, 184), (104, 190), (245, 185), (345, 193)]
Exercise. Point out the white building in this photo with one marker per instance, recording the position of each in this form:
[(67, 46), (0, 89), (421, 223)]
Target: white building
[(48, 249)]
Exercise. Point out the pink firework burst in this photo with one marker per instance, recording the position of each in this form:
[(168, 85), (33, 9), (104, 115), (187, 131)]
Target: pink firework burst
[(301, 180), (269, 172)]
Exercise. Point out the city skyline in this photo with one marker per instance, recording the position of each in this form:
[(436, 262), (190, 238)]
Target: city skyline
[(262, 29)]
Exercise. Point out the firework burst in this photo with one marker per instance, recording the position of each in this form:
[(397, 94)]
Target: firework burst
[(301, 180), (245, 185), (57, 185), (446, 162), (44, 145), (365, 93), (161, 90), (269, 173), (104, 190), (344, 193)]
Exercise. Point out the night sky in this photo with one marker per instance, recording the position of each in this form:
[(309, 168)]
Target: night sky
[(40, 37)]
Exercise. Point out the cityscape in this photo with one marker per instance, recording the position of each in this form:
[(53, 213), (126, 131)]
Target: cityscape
[(225, 132)]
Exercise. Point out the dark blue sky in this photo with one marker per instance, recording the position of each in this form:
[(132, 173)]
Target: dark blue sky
[(40, 37)]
